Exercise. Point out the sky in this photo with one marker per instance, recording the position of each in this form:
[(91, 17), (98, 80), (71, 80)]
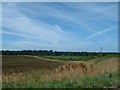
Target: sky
[(60, 26)]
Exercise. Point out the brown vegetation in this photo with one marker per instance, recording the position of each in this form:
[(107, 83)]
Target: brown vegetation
[(81, 69), (41, 70)]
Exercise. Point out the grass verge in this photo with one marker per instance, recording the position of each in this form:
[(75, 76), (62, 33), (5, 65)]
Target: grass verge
[(107, 80)]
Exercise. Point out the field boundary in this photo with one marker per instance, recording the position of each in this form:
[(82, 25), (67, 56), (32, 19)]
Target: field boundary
[(38, 57)]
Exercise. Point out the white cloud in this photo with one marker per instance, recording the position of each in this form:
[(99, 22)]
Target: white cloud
[(77, 46), (101, 32), (24, 26), (16, 34), (19, 21)]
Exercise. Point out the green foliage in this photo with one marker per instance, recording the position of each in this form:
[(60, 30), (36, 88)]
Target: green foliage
[(100, 81), (70, 58), (103, 57), (52, 53), (80, 58)]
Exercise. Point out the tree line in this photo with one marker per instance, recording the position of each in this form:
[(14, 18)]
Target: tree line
[(49, 53)]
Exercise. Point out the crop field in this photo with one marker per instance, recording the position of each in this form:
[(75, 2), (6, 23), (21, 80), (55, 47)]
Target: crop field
[(17, 68), (22, 71), (80, 58)]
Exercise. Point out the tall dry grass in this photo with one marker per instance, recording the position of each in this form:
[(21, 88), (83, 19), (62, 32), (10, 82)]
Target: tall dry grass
[(68, 70), (76, 69)]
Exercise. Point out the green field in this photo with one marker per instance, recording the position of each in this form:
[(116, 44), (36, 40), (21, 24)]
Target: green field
[(80, 58), (35, 72)]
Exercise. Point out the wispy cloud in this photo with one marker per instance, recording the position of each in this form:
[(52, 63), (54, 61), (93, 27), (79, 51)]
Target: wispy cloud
[(38, 45), (79, 15), (11, 33), (57, 25), (24, 26), (101, 32)]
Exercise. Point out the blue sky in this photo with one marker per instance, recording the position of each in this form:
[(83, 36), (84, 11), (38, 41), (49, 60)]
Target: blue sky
[(62, 26)]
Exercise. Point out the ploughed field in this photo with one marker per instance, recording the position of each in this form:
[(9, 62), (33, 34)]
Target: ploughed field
[(59, 71)]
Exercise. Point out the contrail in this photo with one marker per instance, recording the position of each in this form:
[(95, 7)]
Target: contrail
[(98, 33)]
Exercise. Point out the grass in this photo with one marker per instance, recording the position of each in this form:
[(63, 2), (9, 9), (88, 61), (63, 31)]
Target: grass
[(33, 72), (106, 80), (80, 58)]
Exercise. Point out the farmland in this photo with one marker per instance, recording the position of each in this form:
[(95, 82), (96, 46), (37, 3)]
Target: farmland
[(80, 58), (23, 71)]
